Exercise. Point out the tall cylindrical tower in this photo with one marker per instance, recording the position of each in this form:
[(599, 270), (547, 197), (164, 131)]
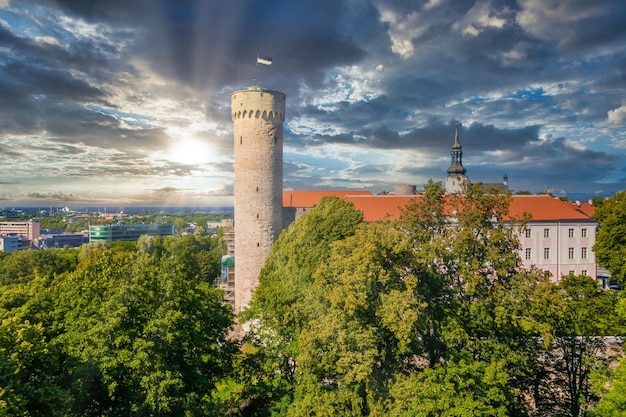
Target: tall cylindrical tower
[(258, 116)]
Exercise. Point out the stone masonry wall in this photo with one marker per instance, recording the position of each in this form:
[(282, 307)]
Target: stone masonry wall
[(258, 116)]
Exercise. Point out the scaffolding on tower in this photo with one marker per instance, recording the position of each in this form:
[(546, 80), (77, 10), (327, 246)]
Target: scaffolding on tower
[(226, 280)]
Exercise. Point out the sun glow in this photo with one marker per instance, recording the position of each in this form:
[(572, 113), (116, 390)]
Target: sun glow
[(189, 151)]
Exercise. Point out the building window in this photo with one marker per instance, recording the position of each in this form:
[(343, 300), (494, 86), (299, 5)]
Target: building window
[(528, 253), (571, 272), (546, 253), (570, 253), (583, 232), (583, 253), (583, 272), (546, 233), (527, 231), (570, 232)]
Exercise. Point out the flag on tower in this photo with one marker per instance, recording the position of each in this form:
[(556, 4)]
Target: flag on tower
[(265, 60)]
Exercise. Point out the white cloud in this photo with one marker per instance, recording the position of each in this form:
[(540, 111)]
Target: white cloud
[(555, 19), (49, 40), (432, 4), (575, 145), (403, 29), (480, 17), (617, 116), (516, 56)]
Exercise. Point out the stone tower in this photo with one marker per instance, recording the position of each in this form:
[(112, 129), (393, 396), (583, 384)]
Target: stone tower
[(456, 179), (258, 116)]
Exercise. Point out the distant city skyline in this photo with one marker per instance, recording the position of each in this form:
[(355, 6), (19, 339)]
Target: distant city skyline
[(118, 104)]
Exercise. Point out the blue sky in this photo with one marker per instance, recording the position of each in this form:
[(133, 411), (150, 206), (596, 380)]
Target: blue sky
[(127, 102)]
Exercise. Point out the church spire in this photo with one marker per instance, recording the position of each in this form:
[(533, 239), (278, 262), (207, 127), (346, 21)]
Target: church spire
[(456, 167)]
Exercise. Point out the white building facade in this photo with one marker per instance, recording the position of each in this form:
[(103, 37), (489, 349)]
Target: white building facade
[(559, 237), (560, 247)]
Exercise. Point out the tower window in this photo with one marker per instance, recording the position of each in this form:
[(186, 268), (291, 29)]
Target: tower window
[(240, 140)]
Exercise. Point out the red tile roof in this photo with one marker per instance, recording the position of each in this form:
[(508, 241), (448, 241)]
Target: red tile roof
[(588, 209), (545, 208), (310, 198), (379, 207)]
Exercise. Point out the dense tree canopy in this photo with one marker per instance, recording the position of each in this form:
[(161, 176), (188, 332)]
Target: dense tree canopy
[(610, 245), (429, 315), (120, 333)]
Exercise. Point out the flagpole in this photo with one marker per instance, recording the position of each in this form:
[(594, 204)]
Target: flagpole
[(265, 60)]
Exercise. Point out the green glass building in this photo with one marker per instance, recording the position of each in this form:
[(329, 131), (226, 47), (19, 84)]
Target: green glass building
[(114, 232)]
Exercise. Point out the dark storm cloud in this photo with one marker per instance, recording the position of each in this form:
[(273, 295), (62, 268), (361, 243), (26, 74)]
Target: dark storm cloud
[(96, 129), (38, 78), (63, 52), (587, 25), (545, 164), (107, 89), (186, 41), (55, 82), (487, 137), (436, 137)]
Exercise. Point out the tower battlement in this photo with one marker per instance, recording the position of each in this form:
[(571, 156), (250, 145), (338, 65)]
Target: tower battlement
[(258, 103)]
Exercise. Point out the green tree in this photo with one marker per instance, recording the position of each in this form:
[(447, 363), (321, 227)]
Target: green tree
[(181, 224), (284, 304), (30, 378), (147, 338), (581, 315), (610, 382), (416, 300), (613, 391), (464, 387), (22, 266), (610, 247)]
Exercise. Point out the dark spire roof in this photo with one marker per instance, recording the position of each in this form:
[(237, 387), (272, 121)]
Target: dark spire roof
[(456, 167)]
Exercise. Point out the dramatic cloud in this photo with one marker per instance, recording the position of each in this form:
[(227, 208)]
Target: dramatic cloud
[(127, 102)]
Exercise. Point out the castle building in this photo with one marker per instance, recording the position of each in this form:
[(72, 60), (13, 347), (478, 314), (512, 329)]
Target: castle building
[(258, 115), (559, 238)]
